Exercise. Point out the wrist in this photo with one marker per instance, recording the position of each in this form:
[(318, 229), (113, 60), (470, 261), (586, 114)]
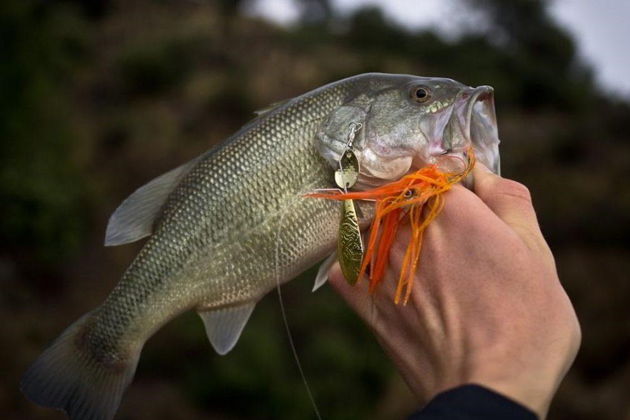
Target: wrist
[(475, 401), (532, 391)]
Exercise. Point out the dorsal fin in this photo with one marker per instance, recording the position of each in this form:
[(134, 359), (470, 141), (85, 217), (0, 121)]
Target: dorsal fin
[(271, 107), (133, 219), (224, 326)]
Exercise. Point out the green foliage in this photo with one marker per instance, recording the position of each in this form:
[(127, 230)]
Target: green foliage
[(150, 69), (40, 185), (542, 53)]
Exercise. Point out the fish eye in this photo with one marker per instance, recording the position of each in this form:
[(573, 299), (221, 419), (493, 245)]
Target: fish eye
[(420, 94)]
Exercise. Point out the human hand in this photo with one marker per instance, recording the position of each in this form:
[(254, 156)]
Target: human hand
[(487, 306)]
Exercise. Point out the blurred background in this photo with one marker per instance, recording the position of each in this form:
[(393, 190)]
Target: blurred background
[(99, 96)]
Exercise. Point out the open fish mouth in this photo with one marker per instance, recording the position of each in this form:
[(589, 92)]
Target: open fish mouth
[(483, 130), (473, 123), (398, 137)]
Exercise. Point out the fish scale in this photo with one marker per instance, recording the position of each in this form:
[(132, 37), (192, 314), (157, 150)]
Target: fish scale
[(219, 206), (227, 227)]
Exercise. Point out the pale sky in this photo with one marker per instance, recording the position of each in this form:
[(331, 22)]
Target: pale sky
[(601, 28)]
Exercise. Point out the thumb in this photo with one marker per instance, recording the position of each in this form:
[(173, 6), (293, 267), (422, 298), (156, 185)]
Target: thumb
[(357, 296), (508, 199)]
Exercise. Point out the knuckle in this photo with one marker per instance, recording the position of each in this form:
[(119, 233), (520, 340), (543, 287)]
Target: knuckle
[(576, 331), (510, 188), (517, 189)]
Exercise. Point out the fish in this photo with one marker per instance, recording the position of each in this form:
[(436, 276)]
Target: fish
[(234, 223)]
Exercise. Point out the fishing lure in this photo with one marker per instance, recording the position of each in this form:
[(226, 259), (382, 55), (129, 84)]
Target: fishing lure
[(417, 197), (349, 243)]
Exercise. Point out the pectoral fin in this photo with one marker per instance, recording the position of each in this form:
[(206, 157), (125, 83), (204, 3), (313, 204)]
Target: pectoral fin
[(224, 326), (322, 273), (134, 218)]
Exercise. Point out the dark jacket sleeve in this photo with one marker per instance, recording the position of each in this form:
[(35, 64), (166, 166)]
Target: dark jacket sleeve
[(472, 402)]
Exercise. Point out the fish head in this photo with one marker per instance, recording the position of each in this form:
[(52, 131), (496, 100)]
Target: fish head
[(396, 124)]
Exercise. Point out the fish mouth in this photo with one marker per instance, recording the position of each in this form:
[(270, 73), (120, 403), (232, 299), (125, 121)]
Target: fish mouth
[(473, 123), (447, 138)]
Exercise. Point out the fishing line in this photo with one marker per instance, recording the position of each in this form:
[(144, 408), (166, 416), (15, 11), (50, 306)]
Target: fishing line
[(286, 321)]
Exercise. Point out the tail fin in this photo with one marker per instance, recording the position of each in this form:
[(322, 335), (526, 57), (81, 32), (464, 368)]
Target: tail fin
[(68, 377)]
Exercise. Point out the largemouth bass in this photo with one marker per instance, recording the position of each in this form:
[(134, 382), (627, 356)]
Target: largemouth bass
[(227, 227)]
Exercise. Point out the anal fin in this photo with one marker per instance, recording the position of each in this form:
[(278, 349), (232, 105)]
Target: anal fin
[(225, 325)]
